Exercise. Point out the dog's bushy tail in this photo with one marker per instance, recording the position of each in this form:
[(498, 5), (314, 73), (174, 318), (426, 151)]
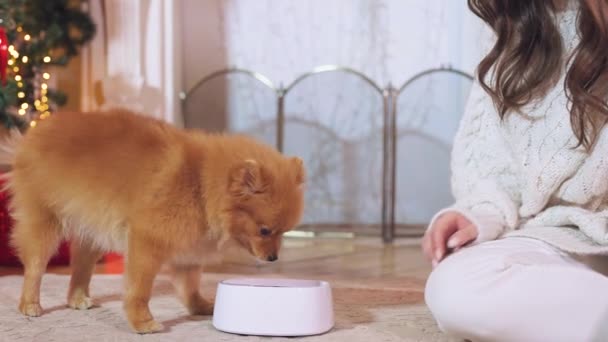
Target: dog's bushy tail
[(8, 150)]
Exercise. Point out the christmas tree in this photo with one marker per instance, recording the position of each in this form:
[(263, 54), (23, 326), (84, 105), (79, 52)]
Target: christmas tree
[(35, 35)]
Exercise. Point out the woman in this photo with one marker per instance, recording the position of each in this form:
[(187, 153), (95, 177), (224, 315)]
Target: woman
[(514, 257)]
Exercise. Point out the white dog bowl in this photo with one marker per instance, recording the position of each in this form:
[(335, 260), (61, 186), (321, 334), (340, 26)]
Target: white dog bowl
[(273, 307)]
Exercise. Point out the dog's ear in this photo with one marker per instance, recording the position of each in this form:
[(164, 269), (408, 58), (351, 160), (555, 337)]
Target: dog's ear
[(300, 172), (248, 178)]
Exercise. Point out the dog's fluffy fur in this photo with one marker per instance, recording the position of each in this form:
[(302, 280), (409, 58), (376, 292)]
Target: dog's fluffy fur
[(163, 196)]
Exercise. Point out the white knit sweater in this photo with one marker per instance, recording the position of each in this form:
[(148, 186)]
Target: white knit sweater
[(524, 177)]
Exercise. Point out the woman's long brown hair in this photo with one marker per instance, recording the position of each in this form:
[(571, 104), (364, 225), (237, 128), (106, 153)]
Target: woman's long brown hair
[(529, 53)]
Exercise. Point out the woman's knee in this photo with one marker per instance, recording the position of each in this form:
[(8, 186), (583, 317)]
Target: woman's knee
[(445, 297), (455, 295)]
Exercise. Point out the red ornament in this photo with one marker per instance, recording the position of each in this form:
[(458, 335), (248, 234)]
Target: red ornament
[(3, 55)]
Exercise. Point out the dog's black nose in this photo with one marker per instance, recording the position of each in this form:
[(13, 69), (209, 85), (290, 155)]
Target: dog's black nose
[(273, 257)]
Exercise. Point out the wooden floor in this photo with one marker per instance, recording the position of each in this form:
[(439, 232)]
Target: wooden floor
[(354, 258)]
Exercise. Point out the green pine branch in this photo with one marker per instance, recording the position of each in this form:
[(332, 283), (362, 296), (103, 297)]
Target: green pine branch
[(57, 29)]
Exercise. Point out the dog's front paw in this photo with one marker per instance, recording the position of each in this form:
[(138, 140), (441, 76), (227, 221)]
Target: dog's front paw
[(80, 302), (200, 307), (147, 327), (30, 309)]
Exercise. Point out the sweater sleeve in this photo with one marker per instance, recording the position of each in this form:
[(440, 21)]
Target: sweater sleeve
[(484, 183)]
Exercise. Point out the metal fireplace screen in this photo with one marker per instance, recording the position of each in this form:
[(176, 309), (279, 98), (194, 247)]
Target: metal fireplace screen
[(377, 158)]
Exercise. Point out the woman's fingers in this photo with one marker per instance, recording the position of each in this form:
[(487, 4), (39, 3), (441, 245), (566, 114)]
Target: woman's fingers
[(462, 237), (444, 227), (449, 232)]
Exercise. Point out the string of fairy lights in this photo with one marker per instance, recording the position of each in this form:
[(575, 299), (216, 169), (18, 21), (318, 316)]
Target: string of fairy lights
[(39, 109)]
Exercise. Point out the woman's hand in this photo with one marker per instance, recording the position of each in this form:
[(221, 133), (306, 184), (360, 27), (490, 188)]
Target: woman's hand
[(449, 232)]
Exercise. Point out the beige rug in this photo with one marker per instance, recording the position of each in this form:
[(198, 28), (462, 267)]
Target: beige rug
[(378, 311)]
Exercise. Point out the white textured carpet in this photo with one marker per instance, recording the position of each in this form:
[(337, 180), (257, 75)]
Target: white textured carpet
[(369, 311)]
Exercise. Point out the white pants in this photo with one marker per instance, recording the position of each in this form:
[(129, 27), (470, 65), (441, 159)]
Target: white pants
[(518, 289)]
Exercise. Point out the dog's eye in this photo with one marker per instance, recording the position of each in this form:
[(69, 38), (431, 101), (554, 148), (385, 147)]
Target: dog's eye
[(264, 231)]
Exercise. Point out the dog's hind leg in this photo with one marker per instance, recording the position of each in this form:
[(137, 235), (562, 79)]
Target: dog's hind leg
[(83, 257), (35, 237)]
